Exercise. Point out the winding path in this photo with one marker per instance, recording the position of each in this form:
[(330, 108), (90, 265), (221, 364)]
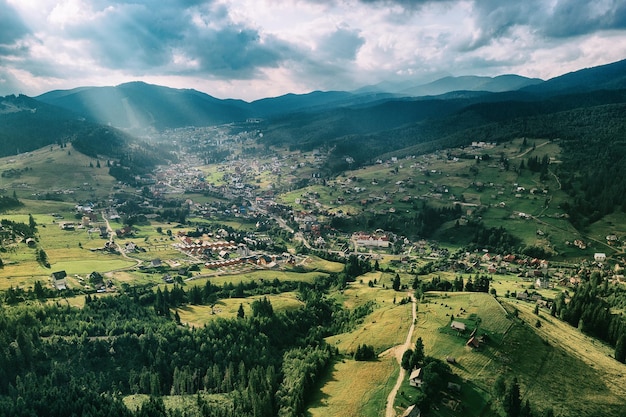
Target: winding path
[(399, 351)]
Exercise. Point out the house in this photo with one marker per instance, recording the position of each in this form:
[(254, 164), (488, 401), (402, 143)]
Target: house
[(451, 360), (58, 280), (473, 342), (412, 411), (458, 326), (155, 263), (416, 378), (599, 257)]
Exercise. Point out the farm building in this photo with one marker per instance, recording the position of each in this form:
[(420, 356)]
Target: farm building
[(412, 411), (415, 379), (599, 257), (473, 342), (458, 326), (58, 280)]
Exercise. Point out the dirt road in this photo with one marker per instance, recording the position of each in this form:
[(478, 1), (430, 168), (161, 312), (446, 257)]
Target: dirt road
[(398, 351)]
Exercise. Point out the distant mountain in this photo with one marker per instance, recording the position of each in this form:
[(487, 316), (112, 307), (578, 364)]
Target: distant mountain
[(314, 101), (604, 77), (138, 105), (471, 83)]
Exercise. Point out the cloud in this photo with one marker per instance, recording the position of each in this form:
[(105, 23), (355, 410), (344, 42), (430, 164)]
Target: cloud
[(340, 45), (176, 37), (578, 17), (496, 19), (12, 30), (298, 45)]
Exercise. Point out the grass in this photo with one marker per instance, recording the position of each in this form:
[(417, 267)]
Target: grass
[(314, 263), (63, 172), (182, 403), (198, 316), (256, 276), (594, 385), (355, 388)]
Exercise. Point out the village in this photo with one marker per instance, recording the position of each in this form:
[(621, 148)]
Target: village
[(296, 212)]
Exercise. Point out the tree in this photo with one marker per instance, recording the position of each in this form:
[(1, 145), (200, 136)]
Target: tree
[(406, 362), (262, 308), (240, 313), (364, 353), (499, 386), (31, 222), (512, 401), (620, 348), (39, 290), (418, 353), (396, 283), (42, 258)]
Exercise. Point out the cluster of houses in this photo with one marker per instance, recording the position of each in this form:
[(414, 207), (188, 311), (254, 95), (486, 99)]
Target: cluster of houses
[(377, 240)]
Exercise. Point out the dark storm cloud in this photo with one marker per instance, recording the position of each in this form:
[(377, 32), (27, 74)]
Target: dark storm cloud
[(236, 51), (579, 17), (566, 19), (12, 29), (138, 36)]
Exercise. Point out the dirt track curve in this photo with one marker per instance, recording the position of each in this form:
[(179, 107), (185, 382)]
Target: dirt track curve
[(398, 351)]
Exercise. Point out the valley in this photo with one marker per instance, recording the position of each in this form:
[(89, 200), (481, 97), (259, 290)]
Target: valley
[(261, 266)]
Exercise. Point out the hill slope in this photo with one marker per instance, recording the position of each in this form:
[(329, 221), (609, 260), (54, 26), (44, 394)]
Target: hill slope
[(138, 105)]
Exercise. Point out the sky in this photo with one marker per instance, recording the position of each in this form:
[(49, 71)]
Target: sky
[(250, 49)]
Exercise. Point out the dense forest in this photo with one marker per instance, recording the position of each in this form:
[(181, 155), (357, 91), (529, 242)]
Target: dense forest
[(58, 360)]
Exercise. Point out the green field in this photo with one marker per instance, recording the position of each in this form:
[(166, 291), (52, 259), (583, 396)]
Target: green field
[(63, 172), (227, 308)]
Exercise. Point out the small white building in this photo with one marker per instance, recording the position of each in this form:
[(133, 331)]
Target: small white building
[(599, 257)]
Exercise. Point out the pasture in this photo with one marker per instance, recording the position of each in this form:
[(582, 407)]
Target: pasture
[(227, 308), (352, 388), (61, 172)]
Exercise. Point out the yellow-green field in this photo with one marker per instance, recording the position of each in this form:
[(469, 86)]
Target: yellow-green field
[(595, 384), (266, 275), (53, 169), (354, 388), (227, 308)]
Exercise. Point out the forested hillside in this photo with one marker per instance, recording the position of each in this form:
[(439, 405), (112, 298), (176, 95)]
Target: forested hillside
[(57, 360), (27, 124)]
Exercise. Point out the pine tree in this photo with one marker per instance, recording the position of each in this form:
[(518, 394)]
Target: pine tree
[(396, 283), (406, 362), (512, 401), (418, 353), (240, 313), (620, 348)]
